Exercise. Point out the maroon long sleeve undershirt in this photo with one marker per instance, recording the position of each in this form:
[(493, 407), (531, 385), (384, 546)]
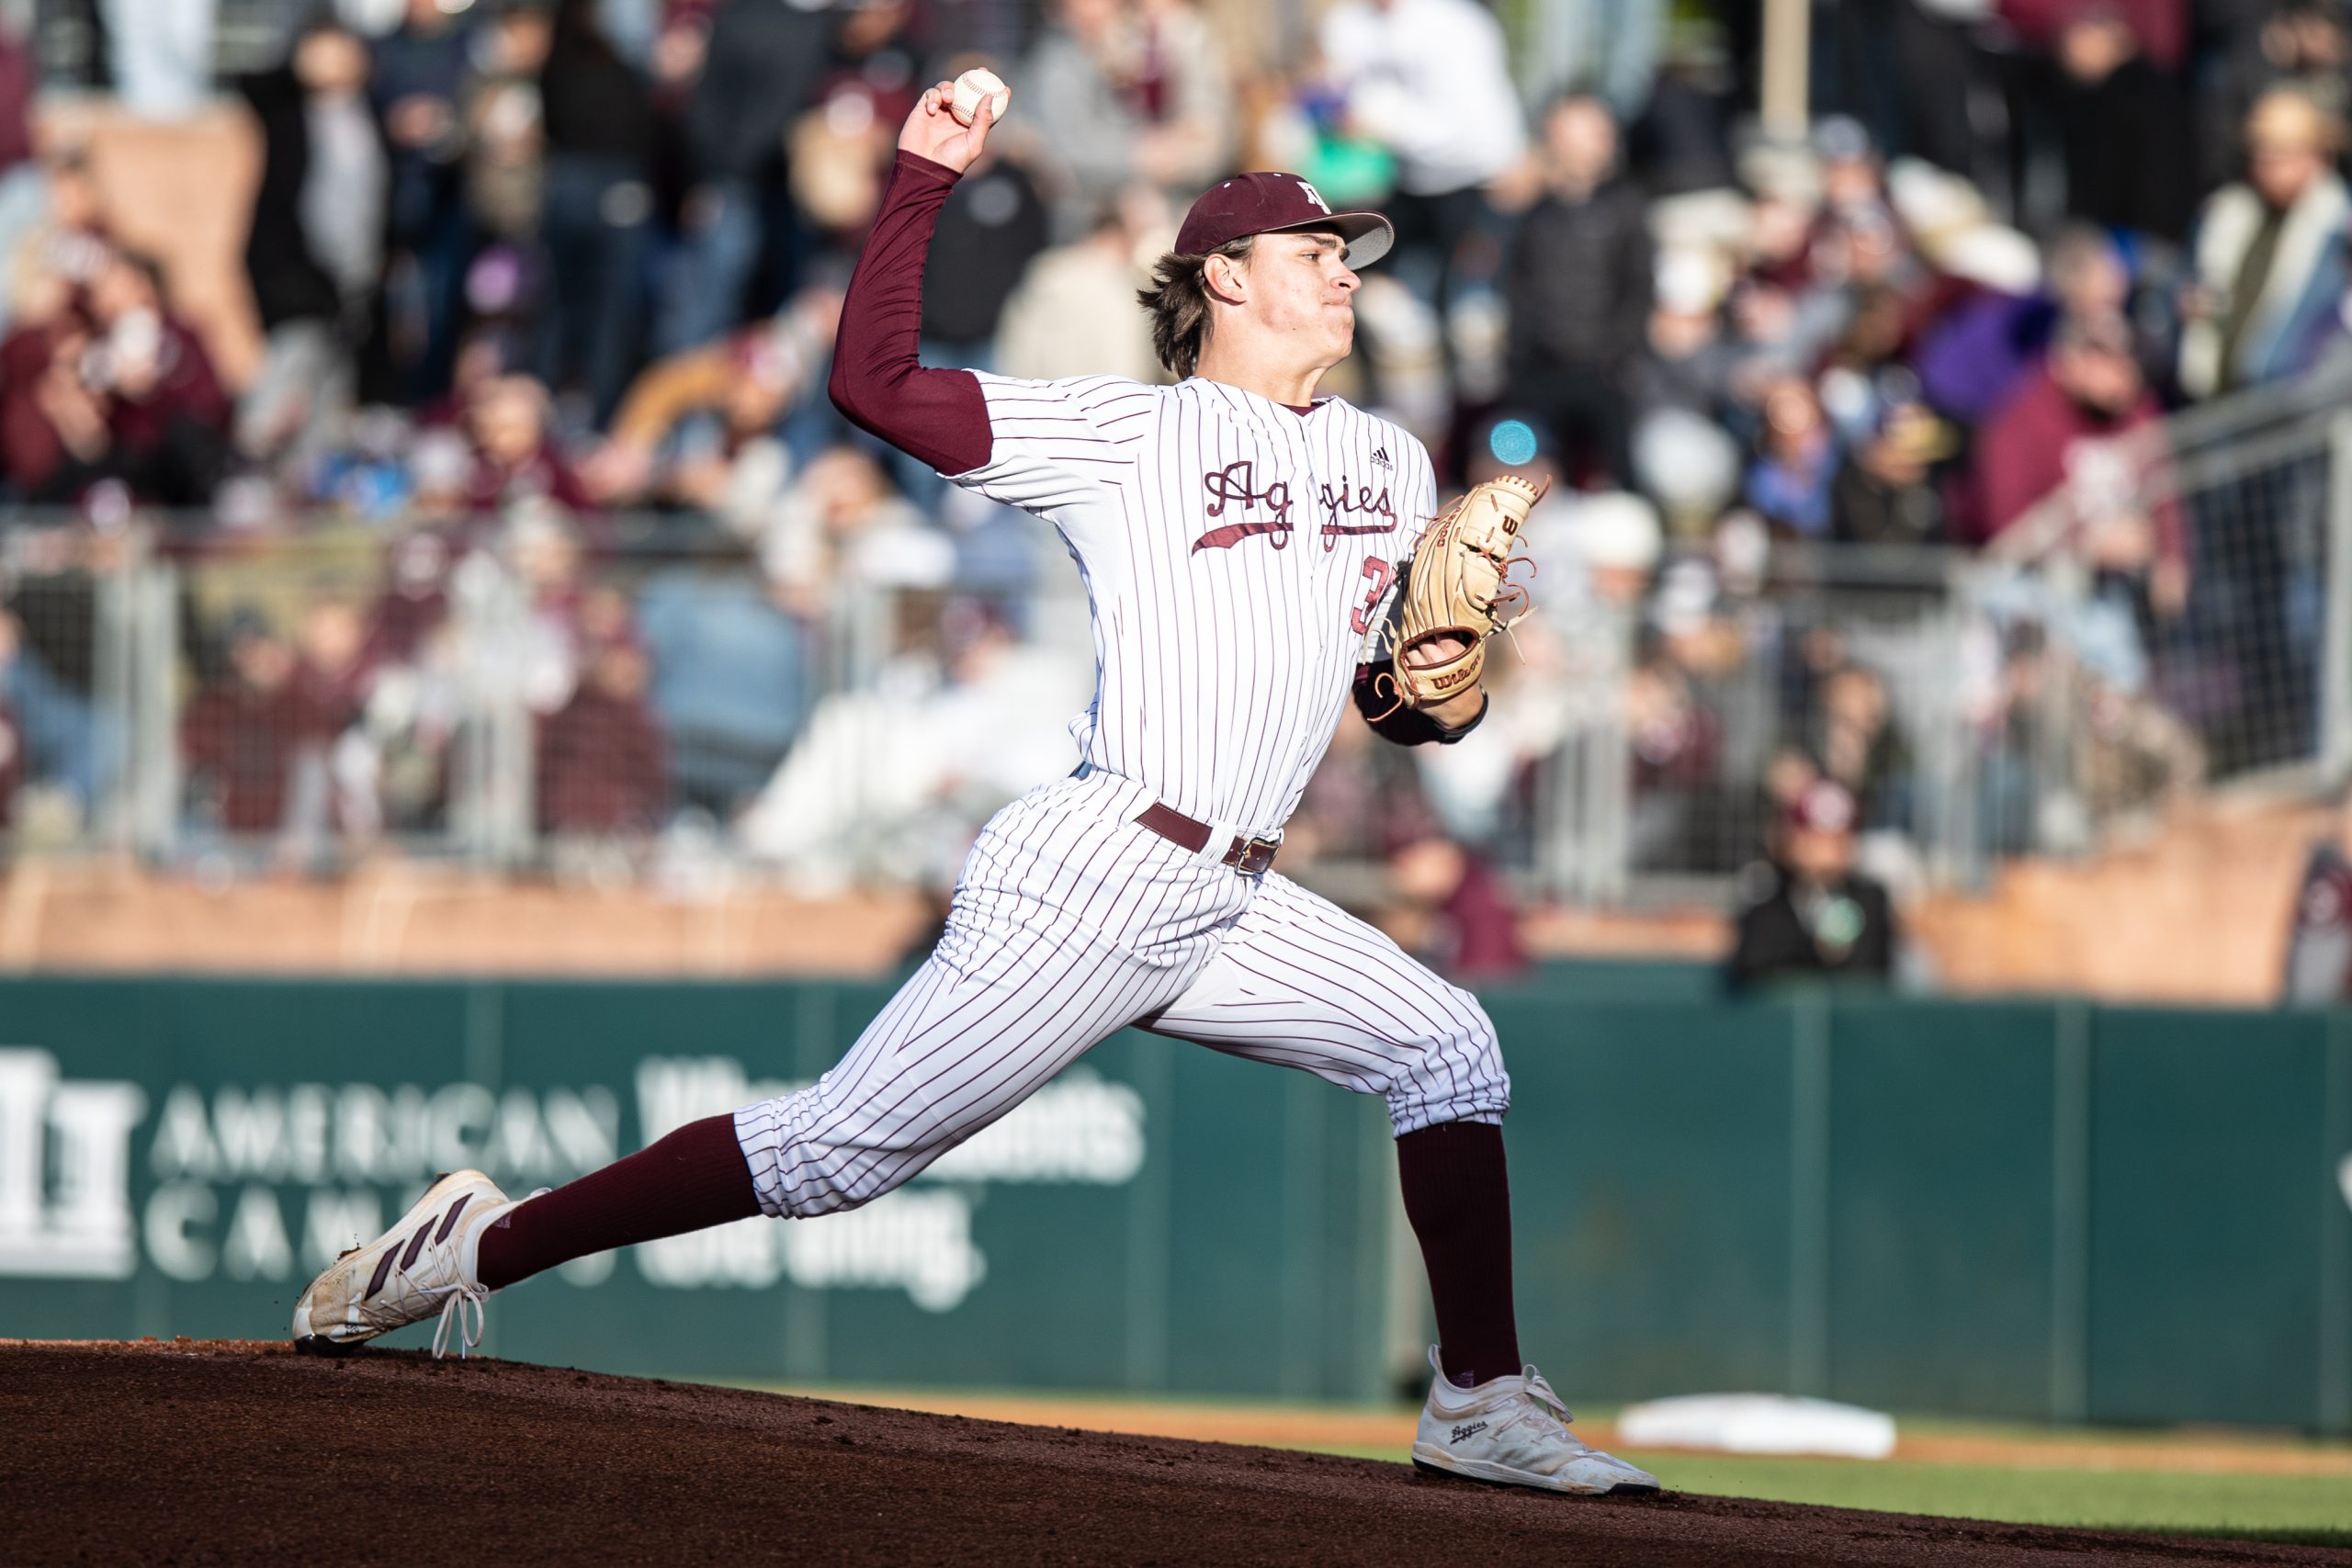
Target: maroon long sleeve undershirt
[(939, 416)]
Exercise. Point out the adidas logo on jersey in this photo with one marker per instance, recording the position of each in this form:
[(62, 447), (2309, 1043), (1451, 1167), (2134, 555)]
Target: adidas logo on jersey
[(1380, 458)]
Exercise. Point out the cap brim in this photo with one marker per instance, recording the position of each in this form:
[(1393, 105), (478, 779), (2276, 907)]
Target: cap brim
[(1368, 235)]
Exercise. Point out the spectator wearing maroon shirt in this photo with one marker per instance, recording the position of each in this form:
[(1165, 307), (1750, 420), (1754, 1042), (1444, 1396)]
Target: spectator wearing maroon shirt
[(514, 457), (413, 602), (1458, 910), (167, 414), (51, 422), (601, 763), (244, 736), (331, 666), (124, 392), (2054, 436)]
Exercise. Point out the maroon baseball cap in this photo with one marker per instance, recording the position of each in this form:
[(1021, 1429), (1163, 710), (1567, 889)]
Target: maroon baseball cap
[(1271, 203)]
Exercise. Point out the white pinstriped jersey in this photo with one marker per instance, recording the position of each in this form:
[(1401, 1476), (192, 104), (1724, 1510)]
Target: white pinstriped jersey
[(1238, 557)]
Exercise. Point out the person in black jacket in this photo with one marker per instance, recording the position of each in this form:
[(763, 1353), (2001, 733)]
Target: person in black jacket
[(1887, 489), (601, 133), (760, 69), (1807, 911), (421, 71), (315, 251), (994, 224), (1579, 279)]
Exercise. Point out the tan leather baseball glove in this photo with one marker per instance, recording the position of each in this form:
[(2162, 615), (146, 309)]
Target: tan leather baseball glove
[(1458, 591)]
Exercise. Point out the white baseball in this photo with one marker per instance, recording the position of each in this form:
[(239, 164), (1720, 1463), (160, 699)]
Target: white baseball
[(971, 87)]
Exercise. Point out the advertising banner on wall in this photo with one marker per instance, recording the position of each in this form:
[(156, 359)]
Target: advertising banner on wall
[(181, 1156)]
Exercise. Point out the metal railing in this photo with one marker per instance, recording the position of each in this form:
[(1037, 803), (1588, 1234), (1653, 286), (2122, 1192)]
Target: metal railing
[(1704, 708), (2244, 673)]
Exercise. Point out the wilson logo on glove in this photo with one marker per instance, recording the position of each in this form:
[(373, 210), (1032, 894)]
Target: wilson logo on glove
[(1459, 589)]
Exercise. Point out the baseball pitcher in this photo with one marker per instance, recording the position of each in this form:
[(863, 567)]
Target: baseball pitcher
[(1255, 558)]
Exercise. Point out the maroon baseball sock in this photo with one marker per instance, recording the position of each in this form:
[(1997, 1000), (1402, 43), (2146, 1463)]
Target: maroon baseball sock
[(692, 1179), (1457, 1193)]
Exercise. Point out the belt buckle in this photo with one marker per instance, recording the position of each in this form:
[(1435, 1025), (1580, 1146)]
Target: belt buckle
[(1252, 857)]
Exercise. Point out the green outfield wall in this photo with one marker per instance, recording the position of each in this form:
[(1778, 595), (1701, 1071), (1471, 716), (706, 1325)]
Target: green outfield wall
[(2017, 1208)]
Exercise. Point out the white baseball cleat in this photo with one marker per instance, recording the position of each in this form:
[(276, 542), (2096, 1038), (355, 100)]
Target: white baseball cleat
[(1514, 1431), (424, 1264)]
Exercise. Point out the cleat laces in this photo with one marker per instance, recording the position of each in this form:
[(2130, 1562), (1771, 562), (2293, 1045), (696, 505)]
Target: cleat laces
[(1540, 1395), (1542, 1392), (462, 1298), (453, 1311)]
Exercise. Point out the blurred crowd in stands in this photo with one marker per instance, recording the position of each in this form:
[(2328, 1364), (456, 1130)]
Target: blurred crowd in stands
[(553, 283)]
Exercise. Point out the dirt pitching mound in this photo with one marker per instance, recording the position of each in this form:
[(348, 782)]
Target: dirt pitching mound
[(204, 1452)]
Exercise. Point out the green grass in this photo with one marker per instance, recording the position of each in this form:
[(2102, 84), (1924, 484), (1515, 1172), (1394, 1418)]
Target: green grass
[(2312, 1510), (2315, 1510)]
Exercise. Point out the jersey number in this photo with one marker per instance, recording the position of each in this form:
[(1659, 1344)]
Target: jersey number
[(1382, 574)]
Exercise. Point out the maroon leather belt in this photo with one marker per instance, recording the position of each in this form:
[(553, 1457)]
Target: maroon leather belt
[(1252, 857)]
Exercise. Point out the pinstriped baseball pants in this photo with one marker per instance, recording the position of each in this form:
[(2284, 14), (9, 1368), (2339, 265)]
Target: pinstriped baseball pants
[(1071, 922)]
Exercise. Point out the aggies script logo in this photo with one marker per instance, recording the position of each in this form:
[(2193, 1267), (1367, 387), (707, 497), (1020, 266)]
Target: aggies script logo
[(1236, 485)]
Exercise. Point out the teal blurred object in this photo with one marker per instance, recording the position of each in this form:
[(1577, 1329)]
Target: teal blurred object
[(1350, 171), (1512, 441), (2042, 1210)]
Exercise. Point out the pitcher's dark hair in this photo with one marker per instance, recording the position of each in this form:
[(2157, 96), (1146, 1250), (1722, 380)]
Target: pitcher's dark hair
[(1179, 302)]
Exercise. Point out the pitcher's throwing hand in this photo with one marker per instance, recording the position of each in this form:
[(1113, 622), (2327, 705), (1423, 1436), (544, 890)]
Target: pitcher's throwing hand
[(932, 132)]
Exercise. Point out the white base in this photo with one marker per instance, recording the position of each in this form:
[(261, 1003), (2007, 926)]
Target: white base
[(1757, 1424)]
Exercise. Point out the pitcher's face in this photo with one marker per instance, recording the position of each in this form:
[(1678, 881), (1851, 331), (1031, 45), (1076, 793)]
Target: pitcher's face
[(1300, 287)]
